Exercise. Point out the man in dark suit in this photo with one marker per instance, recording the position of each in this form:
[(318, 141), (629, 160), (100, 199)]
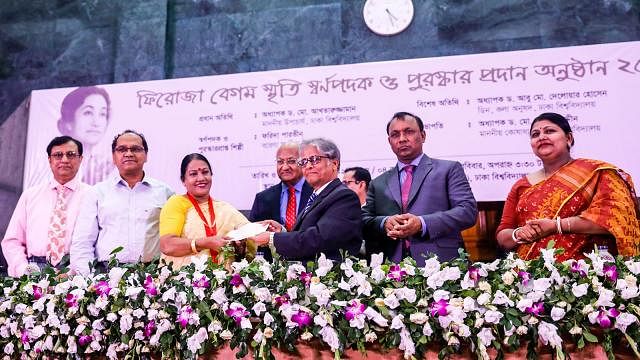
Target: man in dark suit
[(283, 202), (420, 206), (331, 220)]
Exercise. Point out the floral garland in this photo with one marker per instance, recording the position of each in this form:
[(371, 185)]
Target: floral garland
[(257, 306)]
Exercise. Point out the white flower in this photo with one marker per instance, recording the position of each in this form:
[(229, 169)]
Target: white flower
[(240, 265), (397, 323), (347, 267), (541, 285), (579, 290), (557, 313), (306, 336), (633, 266), (521, 330), (133, 292), (268, 319), (625, 319), (508, 277), (576, 330), (194, 343), (549, 258), (500, 298), (262, 294), (115, 274), (587, 309), (404, 293), (268, 332), (324, 266), (469, 304), (523, 304), (440, 294), (126, 321), (492, 317), (431, 266), (111, 352), (605, 298), (245, 323), (375, 317), (258, 336), (258, 308), (484, 286), (548, 333), (484, 298), (392, 301), (406, 344), (227, 335), (8, 349), (370, 337), (376, 260), (486, 336), (427, 330), (418, 318), (377, 274), (294, 270), (330, 337), (292, 292)]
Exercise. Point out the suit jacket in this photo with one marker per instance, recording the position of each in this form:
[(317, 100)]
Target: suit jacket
[(266, 205), (332, 223), (440, 194)]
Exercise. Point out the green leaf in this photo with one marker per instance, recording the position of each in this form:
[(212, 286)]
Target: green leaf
[(589, 336)]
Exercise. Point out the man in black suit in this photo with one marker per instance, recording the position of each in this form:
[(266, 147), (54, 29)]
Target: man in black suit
[(283, 202), (331, 220)]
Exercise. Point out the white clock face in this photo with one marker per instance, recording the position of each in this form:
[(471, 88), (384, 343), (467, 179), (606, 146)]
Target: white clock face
[(387, 17)]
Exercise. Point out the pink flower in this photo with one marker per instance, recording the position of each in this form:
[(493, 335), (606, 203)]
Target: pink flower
[(84, 340), (535, 309), (474, 273), (183, 317), (237, 313), (524, 277), (305, 277), (396, 273), (604, 317), (102, 288), (71, 300), (575, 267), (439, 307), (37, 292), (610, 272), (149, 286), (281, 300), (149, 328), (302, 318), (203, 282), (236, 280), (24, 336), (355, 309)]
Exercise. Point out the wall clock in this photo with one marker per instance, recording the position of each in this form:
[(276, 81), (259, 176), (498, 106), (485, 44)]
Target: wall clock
[(387, 17)]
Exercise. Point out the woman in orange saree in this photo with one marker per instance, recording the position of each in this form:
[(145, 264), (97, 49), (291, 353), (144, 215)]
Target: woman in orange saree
[(577, 203)]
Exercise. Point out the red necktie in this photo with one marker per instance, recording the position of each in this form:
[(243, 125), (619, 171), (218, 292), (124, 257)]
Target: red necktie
[(290, 219), (405, 189)]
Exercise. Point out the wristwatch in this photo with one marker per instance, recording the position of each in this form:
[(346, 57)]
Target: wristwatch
[(271, 234)]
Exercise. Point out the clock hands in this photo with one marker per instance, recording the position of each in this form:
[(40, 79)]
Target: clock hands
[(391, 17)]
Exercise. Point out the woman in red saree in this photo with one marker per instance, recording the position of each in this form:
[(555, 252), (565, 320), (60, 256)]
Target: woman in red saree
[(577, 203)]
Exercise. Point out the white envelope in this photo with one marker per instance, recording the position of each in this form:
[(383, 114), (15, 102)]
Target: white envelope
[(247, 231)]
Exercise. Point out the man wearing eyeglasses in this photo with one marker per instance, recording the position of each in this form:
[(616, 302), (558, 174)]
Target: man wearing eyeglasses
[(121, 211), (420, 206), (357, 179), (331, 219), (39, 232), (283, 202)]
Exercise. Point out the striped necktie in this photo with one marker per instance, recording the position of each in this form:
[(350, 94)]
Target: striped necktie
[(312, 198)]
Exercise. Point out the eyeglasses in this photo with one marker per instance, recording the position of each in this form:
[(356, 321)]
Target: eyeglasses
[(134, 149), (347, 182), (290, 162), (314, 160), (69, 154)]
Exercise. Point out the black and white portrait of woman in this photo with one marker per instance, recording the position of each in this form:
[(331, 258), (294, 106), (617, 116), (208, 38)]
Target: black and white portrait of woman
[(84, 115)]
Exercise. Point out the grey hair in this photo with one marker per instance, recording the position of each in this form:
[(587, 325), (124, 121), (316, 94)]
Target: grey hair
[(326, 147)]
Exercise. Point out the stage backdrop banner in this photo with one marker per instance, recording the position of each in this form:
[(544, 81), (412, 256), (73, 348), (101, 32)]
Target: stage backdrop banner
[(477, 109)]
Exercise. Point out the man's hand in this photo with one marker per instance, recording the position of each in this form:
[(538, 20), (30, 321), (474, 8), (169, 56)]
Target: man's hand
[(402, 226), (262, 239), (273, 226)]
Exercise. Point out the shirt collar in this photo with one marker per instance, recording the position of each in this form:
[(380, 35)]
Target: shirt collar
[(117, 179), (297, 186), (414, 162), (71, 184), (317, 192)]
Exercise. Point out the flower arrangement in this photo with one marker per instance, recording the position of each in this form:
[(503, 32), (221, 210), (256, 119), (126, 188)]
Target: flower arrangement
[(151, 309)]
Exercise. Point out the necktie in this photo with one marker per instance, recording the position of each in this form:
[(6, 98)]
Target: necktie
[(290, 217), (312, 198), (405, 188), (58, 227)]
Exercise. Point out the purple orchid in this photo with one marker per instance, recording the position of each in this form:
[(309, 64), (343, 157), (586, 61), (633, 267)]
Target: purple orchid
[(439, 307), (183, 317), (236, 280), (24, 336), (305, 277), (238, 313), (355, 309), (37, 292), (71, 300), (149, 286), (524, 276), (396, 273), (102, 288), (474, 273), (610, 272), (281, 300), (84, 340), (604, 317), (203, 282), (535, 309), (149, 328), (575, 267), (302, 318)]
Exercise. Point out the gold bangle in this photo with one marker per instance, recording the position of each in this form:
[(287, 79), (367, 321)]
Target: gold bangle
[(569, 225), (194, 250), (559, 225)]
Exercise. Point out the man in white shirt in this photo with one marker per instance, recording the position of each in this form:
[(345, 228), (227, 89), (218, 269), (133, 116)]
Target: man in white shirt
[(121, 211)]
